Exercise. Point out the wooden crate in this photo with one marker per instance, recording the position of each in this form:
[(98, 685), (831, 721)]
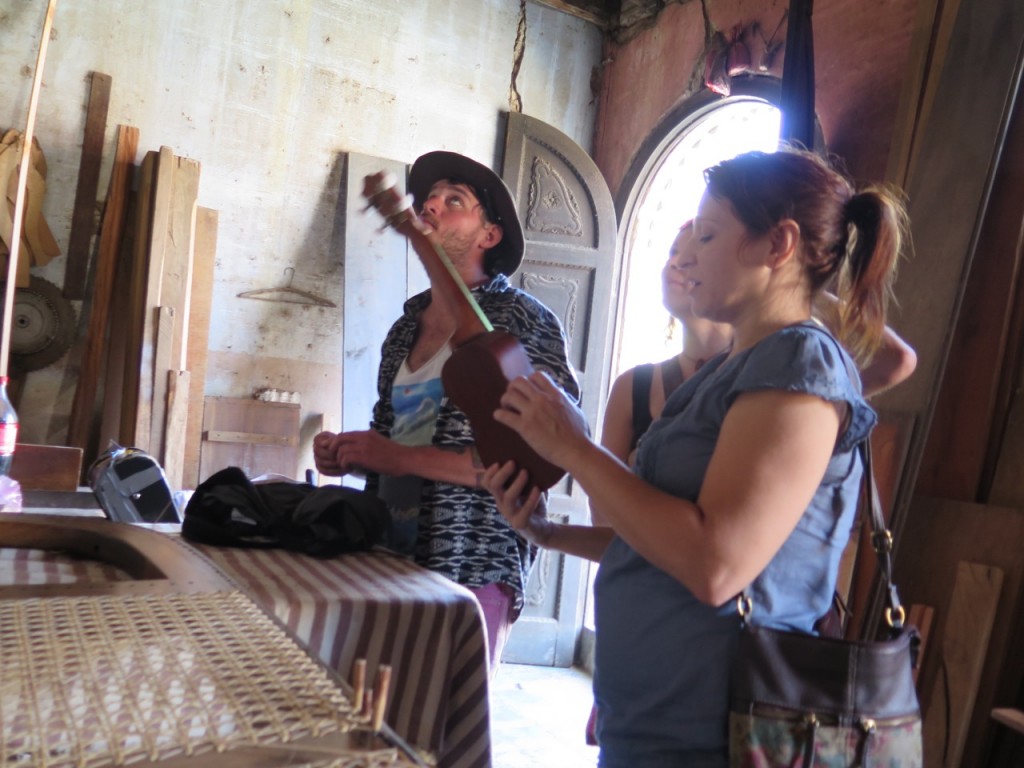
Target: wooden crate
[(47, 467)]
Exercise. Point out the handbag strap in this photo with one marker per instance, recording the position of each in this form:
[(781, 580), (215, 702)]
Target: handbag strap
[(881, 543), (881, 538)]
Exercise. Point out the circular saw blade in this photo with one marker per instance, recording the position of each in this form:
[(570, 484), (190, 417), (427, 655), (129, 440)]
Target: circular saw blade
[(42, 327)]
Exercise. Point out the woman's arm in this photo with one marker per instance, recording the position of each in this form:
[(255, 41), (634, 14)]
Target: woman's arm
[(617, 427), (893, 361), (770, 457), (527, 514), (892, 364)]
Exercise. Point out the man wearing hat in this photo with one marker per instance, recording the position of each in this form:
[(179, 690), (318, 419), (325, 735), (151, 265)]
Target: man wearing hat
[(419, 455)]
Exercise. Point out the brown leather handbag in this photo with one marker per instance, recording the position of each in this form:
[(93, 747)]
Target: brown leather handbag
[(799, 699)]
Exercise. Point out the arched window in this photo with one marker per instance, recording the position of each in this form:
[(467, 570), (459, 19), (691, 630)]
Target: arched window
[(661, 191), (664, 189)]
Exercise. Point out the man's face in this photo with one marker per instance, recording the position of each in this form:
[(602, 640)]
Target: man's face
[(447, 197), (454, 212)]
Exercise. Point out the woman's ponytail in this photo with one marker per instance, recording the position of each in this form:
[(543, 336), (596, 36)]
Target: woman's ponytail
[(877, 229)]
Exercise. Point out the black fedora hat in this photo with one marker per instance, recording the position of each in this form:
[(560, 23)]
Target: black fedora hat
[(494, 196)]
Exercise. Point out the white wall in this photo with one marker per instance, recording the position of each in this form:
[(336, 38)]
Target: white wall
[(265, 94)]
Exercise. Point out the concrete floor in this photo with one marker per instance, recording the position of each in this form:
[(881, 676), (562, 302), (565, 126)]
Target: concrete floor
[(539, 717)]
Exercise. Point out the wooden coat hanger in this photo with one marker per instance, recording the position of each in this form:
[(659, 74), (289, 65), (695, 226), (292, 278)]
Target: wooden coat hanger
[(287, 294)]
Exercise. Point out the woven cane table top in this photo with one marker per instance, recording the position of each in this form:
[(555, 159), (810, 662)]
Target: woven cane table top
[(175, 678)]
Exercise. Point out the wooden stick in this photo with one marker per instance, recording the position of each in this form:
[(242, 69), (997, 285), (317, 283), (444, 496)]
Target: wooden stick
[(82, 214), (358, 684), (19, 198), (380, 695)]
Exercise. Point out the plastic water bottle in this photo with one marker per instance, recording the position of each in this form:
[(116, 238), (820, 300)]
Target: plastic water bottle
[(8, 429)]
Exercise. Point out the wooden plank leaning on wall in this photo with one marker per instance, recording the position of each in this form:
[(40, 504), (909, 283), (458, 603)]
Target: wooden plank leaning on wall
[(146, 382), (83, 407), (135, 290), (82, 224), (176, 243), (160, 298), (940, 535), (203, 262)]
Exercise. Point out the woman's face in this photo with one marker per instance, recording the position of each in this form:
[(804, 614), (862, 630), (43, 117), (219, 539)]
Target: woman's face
[(675, 287), (725, 267)]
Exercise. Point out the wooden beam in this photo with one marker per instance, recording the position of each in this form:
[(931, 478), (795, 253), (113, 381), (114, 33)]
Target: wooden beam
[(136, 316), (152, 255), (162, 363), (595, 12), (174, 431), (965, 639), (256, 438), (932, 29), (83, 214), (84, 404), (940, 535), (988, 35), (204, 260), (176, 284), (117, 340), (985, 350)]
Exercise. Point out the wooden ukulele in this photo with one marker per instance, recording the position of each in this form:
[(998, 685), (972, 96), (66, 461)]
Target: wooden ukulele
[(483, 360)]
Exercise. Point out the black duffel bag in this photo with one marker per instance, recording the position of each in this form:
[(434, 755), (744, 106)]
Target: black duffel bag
[(229, 510)]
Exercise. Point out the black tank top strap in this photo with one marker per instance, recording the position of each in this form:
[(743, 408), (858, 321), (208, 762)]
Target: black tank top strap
[(642, 377)]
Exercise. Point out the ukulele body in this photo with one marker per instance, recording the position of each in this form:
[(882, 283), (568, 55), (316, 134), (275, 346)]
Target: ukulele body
[(475, 378)]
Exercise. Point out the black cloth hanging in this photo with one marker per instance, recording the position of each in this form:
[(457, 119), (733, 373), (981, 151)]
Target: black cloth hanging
[(798, 76)]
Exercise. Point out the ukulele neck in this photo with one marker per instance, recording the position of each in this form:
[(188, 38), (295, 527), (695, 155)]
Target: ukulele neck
[(448, 286)]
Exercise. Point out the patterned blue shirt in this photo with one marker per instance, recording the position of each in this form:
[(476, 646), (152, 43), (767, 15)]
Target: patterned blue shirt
[(461, 534)]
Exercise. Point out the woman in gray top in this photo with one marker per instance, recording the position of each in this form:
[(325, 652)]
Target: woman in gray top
[(749, 480)]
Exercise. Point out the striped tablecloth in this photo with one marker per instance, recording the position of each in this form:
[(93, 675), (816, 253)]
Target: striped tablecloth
[(387, 610), (373, 606)]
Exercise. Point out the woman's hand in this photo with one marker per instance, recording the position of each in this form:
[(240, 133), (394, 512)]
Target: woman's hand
[(525, 512), (545, 417)]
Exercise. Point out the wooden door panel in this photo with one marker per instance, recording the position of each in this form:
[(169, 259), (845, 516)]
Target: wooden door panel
[(569, 222), (567, 290)]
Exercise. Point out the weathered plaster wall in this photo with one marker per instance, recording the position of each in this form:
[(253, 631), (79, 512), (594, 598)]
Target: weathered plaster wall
[(861, 50), (265, 94)]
